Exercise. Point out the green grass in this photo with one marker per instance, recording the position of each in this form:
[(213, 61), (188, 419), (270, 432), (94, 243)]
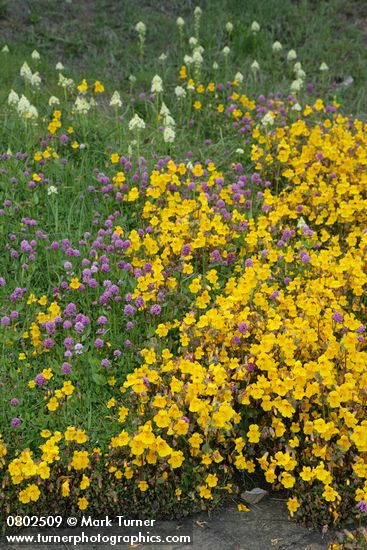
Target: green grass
[(98, 39)]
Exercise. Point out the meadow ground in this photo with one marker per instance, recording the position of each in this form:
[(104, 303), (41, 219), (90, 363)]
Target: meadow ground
[(183, 233)]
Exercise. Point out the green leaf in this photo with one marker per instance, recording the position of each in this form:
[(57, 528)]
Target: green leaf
[(99, 379)]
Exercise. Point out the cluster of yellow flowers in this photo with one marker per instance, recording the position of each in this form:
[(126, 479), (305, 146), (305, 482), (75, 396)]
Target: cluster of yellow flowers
[(282, 342)]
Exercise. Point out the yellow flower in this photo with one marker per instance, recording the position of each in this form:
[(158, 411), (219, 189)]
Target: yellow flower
[(287, 480), (162, 447), (181, 427), (111, 403), (65, 489), (84, 482), (98, 87), (143, 486), (53, 404), (198, 170), (81, 437), (183, 72), (33, 492), (68, 388), (137, 446), (128, 473), (123, 412), (74, 283), (195, 440), (83, 86), (162, 419), (161, 330), (80, 460), (176, 459), (205, 492), (293, 505), (114, 158), (253, 433), (212, 480), (82, 503), (330, 494), (43, 470), (243, 508), (121, 440), (359, 437)]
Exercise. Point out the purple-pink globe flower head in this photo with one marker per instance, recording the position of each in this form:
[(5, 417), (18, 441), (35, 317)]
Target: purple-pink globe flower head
[(362, 506), (15, 422), (337, 317), (66, 368), (40, 380)]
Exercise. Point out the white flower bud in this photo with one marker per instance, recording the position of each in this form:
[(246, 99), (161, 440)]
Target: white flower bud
[(35, 55), (229, 27), (277, 47), (53, 101), (255, 66), (13, 98), (65, 82), (267, 120), (81, 105), (115, 100), (300, 74), (180, 22), (25, 71), (59, 66), (180, 92), (136, 123), (169, 122), (169, 134), (32, 112), (255, 27), (323, 67), (188, 60), (296, 85), (35, 80), (52, 190), (23, 105), (157, 85), (140, 28), (291, 55), (301, 223), (164, 110), (197, 57)]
